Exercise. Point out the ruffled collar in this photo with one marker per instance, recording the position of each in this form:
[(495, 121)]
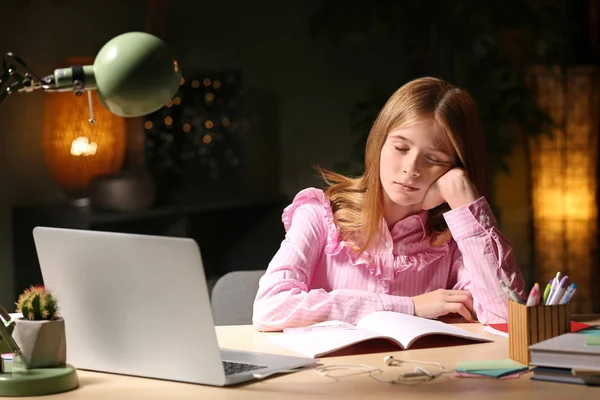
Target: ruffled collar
[(404, 248), (415, 221)]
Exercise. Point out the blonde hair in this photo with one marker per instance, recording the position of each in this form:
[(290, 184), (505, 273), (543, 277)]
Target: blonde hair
[(357, 203)]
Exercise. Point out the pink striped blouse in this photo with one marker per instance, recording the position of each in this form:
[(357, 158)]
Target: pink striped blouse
[(315, 277)]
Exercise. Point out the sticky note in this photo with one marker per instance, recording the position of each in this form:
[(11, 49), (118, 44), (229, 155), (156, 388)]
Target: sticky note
[(591, 332), (469, 366), (591, 340), (496, 373), (471, 375), (491, 368)]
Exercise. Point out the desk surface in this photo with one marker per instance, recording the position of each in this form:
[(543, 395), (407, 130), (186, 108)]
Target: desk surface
[(299, 385)]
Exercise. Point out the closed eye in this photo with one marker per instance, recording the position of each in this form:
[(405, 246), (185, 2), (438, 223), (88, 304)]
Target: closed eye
[(435, 160), (401, 149)]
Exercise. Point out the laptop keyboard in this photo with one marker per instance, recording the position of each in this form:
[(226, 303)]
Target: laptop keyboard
[(235, 367)]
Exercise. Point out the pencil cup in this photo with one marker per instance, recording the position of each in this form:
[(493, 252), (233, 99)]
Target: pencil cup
[(530, 325)]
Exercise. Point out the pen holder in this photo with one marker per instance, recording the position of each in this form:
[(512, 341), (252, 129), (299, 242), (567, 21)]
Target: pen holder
[(530, 325)]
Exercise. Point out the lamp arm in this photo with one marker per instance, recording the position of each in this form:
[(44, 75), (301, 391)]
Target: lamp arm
[(7, 65), (25, 80), (4, 89), (18, 77)]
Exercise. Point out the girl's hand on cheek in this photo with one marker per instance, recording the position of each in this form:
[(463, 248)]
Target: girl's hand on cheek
[(433, 197), (454, 188)]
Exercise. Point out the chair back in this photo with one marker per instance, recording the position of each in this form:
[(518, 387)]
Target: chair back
[(233, 297)]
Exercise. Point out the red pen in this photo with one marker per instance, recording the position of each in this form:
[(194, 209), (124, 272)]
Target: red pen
[(534, 296)]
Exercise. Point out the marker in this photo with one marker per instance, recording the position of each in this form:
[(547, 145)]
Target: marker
[(560, 290), (511, 294), (557, 278), (568, 294), (553, 287), (547, 292), (534, 296)]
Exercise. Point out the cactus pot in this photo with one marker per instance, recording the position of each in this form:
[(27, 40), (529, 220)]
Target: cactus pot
[(42, 343)]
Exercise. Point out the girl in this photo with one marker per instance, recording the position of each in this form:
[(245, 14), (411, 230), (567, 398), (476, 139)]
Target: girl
[(414, 234)]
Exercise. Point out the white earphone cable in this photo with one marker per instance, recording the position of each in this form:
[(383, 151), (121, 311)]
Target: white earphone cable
[(420, 374)]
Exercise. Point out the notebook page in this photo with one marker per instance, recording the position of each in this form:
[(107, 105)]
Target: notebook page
[(317, 342), (408, 328)]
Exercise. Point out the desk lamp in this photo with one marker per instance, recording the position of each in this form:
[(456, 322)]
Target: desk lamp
[(134, 75)]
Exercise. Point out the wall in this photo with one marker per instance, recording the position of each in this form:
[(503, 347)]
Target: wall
[(513, 209)]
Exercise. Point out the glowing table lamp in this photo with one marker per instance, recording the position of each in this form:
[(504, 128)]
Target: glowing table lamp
[(76, 151)]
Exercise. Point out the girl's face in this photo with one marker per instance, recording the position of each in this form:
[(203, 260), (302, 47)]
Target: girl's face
[(412, 158)]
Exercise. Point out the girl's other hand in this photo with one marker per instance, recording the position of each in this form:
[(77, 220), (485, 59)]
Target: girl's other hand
[(442, 302)]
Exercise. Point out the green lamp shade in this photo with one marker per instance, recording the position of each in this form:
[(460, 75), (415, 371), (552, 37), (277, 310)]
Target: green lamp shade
[(135, 74)]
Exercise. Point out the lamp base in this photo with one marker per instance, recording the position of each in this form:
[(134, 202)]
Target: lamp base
[(124, 191), (79, 202), (37, 382)]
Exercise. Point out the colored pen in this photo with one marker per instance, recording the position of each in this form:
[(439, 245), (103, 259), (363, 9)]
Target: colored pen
[(560, 290), (553, 287), (534, 296), (568, 294), (547, 292), (511, 294)]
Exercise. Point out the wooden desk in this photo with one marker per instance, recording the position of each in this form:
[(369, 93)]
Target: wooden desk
[(299, 385)]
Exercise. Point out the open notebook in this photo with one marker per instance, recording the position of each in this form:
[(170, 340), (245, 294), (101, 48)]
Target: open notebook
[(402, 329)]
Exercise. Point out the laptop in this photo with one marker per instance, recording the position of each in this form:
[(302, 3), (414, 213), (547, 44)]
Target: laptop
[(139, 305)]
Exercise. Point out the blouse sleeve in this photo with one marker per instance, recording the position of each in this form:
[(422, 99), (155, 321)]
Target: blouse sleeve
[(481, 259), (285, 297)]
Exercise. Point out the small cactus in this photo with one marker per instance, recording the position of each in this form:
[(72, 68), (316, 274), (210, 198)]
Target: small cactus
[(37, 303)]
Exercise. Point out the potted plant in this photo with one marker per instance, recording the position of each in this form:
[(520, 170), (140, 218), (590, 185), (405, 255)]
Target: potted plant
[(40, 333)]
